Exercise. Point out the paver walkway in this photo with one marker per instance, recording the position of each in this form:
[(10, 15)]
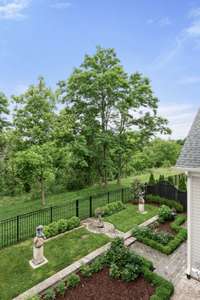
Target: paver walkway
[(170, 267)]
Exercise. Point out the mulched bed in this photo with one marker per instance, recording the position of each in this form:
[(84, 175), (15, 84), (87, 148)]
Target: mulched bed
[(163, 227), (101, 287)]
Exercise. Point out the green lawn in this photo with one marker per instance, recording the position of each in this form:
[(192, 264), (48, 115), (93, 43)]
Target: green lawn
[(16, 275), (12, 206), (127, 218)]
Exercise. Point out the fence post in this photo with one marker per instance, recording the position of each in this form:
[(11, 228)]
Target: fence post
[(77, 208), (17, 228), (90, 206), (108, 197), (122, 195), (51, 214)]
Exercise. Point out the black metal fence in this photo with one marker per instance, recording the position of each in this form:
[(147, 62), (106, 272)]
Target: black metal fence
[(166, 190), (21, 227)]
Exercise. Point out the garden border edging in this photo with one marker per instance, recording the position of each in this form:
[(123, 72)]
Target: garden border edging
[(54, 279)]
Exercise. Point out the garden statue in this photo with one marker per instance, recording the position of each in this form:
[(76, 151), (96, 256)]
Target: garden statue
[(38, 249), (141, 202), (99, 213)]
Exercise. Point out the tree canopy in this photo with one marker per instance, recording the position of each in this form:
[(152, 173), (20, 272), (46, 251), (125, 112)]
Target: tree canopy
[(99, 124)]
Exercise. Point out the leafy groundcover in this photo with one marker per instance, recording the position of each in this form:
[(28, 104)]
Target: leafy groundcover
[(120, 272)]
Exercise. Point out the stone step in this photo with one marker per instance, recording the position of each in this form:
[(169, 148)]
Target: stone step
[(129, 241)]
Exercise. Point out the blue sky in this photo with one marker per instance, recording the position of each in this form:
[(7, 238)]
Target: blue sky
[(159, 38)]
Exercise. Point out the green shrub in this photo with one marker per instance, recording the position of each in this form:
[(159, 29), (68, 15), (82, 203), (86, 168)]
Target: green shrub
[(173, 243), (73, 280), (163, 201), (86, 271), (131, 272), (146, 232), (152, 180), (182, 186), (170, 179), (61, 226), (61, 288), (97, 265), (110, 208), (73, 223), (50, 294), (114, 271), (161, 178), (165, 214), (164, 288)]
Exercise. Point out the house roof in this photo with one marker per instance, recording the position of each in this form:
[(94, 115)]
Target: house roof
[(190, 154)]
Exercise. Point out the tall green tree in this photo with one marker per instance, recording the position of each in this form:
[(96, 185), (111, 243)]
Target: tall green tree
[(109, 104), (4, 111), (93, 91), (35, 165), (34, 115)]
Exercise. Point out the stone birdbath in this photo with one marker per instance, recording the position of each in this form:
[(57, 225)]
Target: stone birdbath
[(99, 213)]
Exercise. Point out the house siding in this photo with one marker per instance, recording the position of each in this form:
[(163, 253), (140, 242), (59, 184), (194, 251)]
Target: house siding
[(195, 226)]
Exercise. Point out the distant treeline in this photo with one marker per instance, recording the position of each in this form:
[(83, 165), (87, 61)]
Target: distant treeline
[(105, 130)]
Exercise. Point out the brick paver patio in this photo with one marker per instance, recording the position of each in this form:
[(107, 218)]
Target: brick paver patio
[(172, 267)]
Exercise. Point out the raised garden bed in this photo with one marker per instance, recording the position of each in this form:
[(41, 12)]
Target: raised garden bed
[(164, 237), (119, 274)]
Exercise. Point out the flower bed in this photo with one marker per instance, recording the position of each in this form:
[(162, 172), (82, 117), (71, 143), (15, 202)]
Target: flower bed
[(163, 240), (120, 273)]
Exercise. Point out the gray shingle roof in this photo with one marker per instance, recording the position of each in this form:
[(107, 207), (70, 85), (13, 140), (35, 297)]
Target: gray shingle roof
[(190, 154)]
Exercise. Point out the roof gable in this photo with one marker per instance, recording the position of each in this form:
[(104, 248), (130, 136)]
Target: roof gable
[(190, 154)]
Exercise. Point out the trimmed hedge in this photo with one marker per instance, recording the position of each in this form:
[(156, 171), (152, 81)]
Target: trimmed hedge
[(110, 208), (61, 226), (180, 237), (163, 201), (164, 288), (122, 263)]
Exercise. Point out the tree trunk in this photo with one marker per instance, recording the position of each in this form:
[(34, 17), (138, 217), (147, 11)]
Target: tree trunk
[(42, 191)]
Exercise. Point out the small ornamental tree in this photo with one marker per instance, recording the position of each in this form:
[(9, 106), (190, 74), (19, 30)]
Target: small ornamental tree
[(161, 178), (170, 179), (182, 186), (152, 180)]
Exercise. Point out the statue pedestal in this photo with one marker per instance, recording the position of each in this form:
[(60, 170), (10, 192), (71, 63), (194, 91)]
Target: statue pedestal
[(141, 208), (38, 258)]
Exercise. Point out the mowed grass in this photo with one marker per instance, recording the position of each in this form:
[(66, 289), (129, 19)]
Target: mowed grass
[(16, 275), (127, 218), (12, 206)]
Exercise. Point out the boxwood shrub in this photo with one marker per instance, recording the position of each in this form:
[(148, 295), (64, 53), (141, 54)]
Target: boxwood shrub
[(163, 201), (61, 226), (110, 208), (180, 236), (123, 264)]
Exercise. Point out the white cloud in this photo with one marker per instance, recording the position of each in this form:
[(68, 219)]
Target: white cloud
[(60, 4), (165, 21), (180, 118), (189, 80), (190, 33), (13, 9)]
